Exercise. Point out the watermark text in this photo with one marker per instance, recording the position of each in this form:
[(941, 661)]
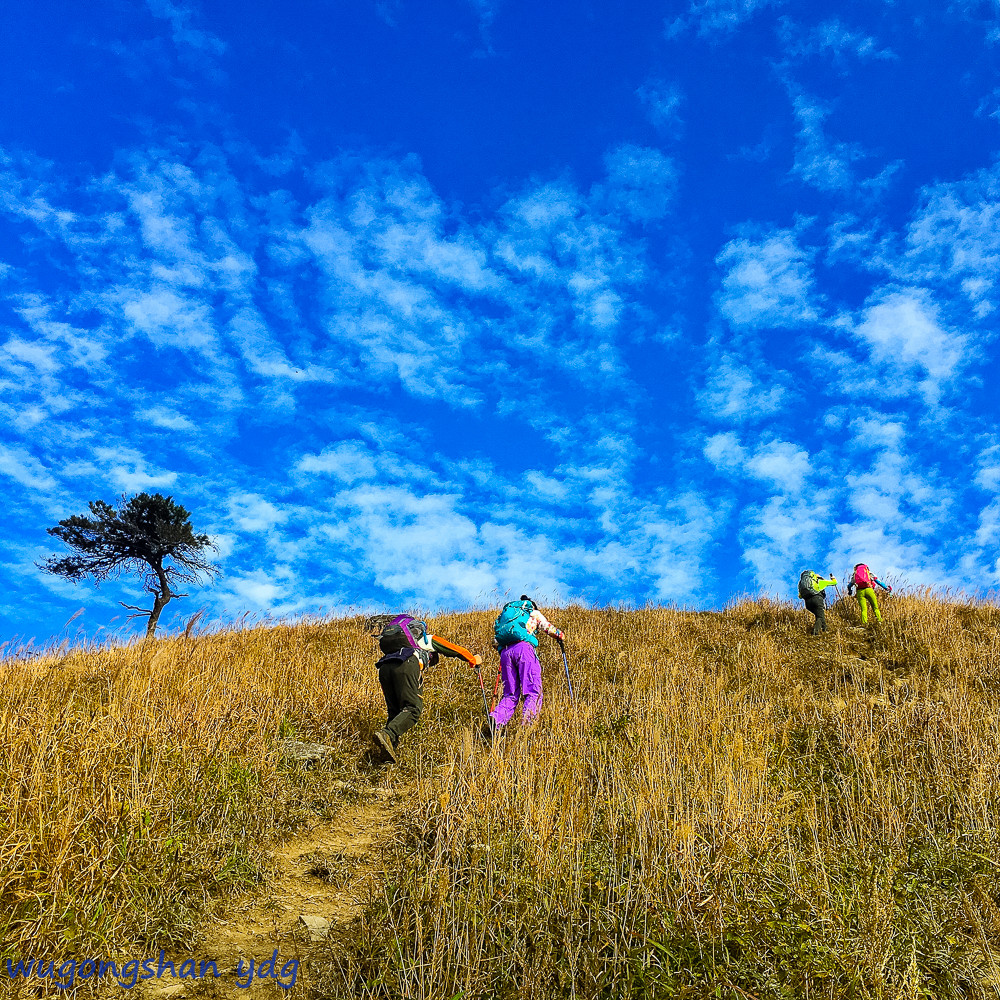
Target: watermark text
[(134, 970)]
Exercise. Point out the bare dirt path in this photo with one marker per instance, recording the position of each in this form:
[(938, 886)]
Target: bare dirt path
[(322, 878)]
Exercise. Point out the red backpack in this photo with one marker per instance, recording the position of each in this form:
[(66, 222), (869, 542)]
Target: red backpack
[(862, 577)]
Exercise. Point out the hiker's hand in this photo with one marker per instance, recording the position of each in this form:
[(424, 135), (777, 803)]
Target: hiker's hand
[(478, 659)]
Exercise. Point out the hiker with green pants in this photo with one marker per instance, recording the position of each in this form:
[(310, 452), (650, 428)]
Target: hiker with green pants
[(862, 583), (811, 590), (407, 648)]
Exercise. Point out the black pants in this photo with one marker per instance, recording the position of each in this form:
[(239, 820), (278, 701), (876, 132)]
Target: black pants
[(403, 685), (817, 605)]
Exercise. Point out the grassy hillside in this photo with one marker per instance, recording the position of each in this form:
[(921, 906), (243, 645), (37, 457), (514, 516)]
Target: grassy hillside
[(732, 807)]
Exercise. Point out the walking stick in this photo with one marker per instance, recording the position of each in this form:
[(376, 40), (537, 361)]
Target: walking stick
[(562, 648), (482, 688)]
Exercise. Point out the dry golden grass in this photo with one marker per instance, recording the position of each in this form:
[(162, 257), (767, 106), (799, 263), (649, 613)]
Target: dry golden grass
[(731, 808), (138, 782)]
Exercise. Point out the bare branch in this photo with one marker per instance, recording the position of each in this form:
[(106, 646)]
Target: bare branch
[(139, 612)]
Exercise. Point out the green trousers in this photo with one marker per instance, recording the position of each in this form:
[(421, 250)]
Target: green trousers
[(403, 686), (863, 596)]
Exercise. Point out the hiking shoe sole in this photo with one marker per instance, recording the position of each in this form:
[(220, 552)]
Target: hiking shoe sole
[(383, 743)]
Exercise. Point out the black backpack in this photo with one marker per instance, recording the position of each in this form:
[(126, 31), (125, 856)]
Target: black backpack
[(401, 635)]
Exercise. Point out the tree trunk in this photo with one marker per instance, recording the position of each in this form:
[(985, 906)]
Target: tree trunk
[(160, 599)]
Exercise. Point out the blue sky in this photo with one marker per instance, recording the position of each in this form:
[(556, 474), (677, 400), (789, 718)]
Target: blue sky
[(417, 305)]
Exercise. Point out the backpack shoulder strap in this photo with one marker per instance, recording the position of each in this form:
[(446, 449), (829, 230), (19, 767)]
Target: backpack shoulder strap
[(404, 622)]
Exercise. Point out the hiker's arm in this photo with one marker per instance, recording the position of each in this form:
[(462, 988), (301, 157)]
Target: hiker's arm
[(446, 648), (541, 622), (887, 589), (823, 584)]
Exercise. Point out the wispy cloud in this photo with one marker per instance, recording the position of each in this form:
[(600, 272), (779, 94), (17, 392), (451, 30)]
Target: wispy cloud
[(713, 18), (641, 182), (955, 238), (902, 329), (768, 282), (663, 102), (831, 37), (830, 166), (198, 48), (906, 348), (737, 393)]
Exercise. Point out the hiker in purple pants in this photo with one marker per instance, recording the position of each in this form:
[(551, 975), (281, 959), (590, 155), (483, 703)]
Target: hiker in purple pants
[(521, 675), (520, 670)]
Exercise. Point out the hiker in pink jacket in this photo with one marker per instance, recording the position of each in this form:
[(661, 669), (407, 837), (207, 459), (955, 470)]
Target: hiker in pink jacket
[(862, 583)]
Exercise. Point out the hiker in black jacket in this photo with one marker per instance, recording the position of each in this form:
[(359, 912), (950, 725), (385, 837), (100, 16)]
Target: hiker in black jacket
[(407, 648), (812, 589)]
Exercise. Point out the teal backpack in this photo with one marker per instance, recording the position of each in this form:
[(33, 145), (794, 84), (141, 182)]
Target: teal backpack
[(511, 626)]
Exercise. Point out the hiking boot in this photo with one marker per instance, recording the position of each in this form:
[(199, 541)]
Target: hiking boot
[(383, 743)]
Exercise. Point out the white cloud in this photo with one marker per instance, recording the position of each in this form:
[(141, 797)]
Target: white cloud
[(170, 320), (197, 48), (955, 237), (545, 487), (129, 471), (19, 465), (671, 545), (784, 536), (736, 393), (718, 17), (254, 513), (903, 330), (895, 509), (988, 472), (828, 165), (38, 356), (780, 463), (725, 452), (162, 416), (833, 37), (769, 283), (73, 345), (348, 461), (990, 105), (984, 14), (819, 162), (641, 182), (662, 102)]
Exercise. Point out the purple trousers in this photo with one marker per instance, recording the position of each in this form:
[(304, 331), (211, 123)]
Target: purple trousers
[(522, 678)]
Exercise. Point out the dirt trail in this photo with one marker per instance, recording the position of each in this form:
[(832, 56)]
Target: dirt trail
[(323, 874)]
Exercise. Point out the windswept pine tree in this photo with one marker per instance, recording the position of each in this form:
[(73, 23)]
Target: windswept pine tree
[(148, 534)]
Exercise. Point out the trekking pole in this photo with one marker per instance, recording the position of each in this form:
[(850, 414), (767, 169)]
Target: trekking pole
[(562, 648), (482, 687), (496, 688)]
